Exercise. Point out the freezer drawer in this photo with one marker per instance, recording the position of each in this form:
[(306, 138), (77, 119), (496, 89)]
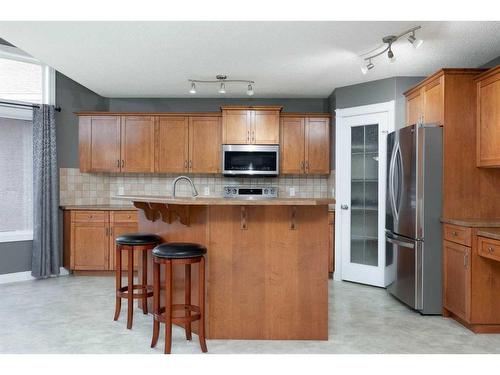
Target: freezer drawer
[(407, 283)]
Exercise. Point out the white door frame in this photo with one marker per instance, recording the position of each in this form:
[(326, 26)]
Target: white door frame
[(384, 115)]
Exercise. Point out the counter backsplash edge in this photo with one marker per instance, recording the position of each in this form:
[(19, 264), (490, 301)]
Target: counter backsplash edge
[(77, 188)]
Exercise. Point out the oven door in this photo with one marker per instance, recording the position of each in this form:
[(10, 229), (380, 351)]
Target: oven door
[(241, 160)]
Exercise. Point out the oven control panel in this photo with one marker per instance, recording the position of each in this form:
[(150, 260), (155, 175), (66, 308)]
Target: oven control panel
[(250, 192)]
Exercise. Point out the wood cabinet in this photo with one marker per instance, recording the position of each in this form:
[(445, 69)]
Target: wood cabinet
[(471, 276), (488, 118), (250, 125), (305, 145), (116, 143), (89, 238), (457, 279), (331, 248), (188, 144), (426, 104)]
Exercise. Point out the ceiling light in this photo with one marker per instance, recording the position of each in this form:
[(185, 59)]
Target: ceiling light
[(387, 47), (250, 90), (415, 42), (369, 66), (221, 80)]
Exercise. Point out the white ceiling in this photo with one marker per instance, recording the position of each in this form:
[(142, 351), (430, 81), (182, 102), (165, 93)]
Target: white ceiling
[(286, 59)]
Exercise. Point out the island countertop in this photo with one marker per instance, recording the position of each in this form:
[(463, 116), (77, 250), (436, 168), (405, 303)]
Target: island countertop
[(220, 201)]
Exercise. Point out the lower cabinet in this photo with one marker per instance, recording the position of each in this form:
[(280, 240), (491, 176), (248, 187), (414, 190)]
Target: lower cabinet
[(471, 279), (331, 247), (89, 238)]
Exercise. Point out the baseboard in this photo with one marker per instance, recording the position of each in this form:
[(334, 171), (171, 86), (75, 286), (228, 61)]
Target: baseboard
[(24, 276)]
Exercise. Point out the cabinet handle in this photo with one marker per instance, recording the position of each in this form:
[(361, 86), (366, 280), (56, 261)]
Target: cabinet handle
[(107, 232), (110, 231), (190, 164), (185, 164), (248, 136), (118, 163), (307, 166), (490, 250), (466, 260), (123, 163), (253, 136), (454, 233), (302, 166)]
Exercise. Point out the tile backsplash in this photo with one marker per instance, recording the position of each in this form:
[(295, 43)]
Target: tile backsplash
[(78, 188)]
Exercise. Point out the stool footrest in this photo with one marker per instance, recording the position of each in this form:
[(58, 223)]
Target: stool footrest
[(160, 315), (146, 291)]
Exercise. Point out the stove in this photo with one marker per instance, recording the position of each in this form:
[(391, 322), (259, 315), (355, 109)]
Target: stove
[(264, 192)]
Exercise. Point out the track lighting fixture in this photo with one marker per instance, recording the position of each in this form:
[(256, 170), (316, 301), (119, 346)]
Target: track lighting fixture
[(221, 80), (388, 41)]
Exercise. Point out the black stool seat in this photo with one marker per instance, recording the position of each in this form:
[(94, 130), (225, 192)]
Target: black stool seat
[(176, 250), (138, 239)]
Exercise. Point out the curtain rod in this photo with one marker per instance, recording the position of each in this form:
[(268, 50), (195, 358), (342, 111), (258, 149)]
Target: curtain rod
[(57, 109)]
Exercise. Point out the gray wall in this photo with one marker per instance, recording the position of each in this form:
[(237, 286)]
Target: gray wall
[(71, 96), (492, 63), (211, 104)]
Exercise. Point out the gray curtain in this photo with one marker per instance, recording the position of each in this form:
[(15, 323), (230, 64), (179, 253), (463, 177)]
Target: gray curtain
[(46, 258)]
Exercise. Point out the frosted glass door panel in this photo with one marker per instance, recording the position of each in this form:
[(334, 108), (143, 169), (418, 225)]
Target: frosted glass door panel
[(364, 195)]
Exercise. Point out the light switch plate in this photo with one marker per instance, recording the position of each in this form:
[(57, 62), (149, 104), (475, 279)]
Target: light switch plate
[(292, 192), (206, 190), (121, 190)]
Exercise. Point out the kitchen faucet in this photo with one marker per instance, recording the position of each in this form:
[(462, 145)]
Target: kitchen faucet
[(193, 188)]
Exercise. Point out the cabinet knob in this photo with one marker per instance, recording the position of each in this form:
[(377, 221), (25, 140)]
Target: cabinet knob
[(490, 250), (128, 217), (454, 233)]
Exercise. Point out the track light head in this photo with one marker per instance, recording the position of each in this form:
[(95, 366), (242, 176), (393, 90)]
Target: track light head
[(390, 55), (415, 42), (193, 88), (369, 66), (250, 90), (222, 88)]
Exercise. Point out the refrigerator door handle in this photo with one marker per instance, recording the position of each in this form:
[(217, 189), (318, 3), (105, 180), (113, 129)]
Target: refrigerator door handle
[(400, 179), (391, 181), (400, 243)]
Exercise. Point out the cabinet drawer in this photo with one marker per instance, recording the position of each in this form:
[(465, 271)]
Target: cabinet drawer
[(124, 216), (454, 233), (489, 248), (89, 216)]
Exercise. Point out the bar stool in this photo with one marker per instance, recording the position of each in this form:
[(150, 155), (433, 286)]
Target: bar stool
[(171, 254), (133, 242)]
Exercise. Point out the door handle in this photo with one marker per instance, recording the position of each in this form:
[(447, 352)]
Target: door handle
[(344, 207)]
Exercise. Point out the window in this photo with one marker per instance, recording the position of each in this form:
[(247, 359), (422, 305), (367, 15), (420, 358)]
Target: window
[(22, 79)]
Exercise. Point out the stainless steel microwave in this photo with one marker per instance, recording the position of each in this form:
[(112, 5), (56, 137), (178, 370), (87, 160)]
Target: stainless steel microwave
[(250, 160)]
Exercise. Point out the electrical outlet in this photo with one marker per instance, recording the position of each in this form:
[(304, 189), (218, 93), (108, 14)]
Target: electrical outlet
[(121, 190), (292, 192), (206, 190)]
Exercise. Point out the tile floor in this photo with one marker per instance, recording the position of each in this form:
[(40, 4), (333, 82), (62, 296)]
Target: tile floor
[(75, 315)]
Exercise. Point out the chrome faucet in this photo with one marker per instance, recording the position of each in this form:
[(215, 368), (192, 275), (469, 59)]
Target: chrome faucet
[(174, 183)]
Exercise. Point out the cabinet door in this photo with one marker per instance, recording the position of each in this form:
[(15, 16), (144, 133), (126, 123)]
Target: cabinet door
[(292, 145), (413, 108), (172, 144), (99, 143), (236, 126), (488, 122), (265, 127), (317, 148), (137, 144), (433, 102), (89, 246), (457, 279), (117, 229), (205, 139)]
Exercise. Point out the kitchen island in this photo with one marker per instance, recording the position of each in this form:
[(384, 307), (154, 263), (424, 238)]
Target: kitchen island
[(267, 261)]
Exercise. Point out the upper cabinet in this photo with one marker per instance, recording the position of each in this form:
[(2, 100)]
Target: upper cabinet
[(425, 104), (250, 125), (148, 144), (305, 144), (488, 118)]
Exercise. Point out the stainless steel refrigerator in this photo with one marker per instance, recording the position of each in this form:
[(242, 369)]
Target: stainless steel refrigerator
[(413, 210)]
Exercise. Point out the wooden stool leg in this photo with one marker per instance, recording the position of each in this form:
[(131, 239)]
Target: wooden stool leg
[(118, 280), (168, 308), (130, 290), (156, 302), (145, 281), (201, 329), (187, 298)]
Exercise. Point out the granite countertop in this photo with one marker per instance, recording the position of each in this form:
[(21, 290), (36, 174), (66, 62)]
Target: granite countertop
[(473, 222), (98, 207), (215, 201), (493, 233)]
